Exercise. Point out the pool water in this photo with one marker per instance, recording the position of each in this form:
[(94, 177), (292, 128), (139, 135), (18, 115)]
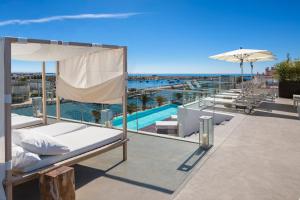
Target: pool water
[(146, 118)]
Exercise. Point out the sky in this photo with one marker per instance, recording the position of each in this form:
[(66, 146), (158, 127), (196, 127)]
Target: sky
[(163, 36)]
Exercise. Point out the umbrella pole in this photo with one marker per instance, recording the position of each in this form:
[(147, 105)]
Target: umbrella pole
[(242, 72)]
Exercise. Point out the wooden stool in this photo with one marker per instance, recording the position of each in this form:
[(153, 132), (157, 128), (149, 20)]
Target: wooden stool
[(58, 184)]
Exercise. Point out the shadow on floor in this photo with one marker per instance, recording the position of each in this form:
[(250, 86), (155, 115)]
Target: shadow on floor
[(192, 160), (269, 106), (276, 115), (85, 174)]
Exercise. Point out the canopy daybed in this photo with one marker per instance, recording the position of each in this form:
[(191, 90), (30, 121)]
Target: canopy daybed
[(86, 73)]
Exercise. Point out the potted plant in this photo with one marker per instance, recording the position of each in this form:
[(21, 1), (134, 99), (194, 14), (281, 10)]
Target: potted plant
[(288, 75)]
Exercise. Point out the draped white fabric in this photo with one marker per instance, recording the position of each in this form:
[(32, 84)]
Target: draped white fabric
[(87, 74), (48, 52), (2, 127), (95, 77)]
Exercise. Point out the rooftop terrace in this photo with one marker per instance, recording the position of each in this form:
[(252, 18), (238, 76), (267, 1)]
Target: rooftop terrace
[(255, 157)]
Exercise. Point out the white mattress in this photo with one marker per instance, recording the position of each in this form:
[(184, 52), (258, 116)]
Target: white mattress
[(21, 121), (219, 100), (58, 128), (230, 94), (225, 96), (79, 142)]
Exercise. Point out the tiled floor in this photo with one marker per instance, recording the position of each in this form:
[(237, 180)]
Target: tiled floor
[(259, 159), (155, 168)]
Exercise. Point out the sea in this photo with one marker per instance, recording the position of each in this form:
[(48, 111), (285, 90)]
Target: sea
[(142, 84), (138, 84)]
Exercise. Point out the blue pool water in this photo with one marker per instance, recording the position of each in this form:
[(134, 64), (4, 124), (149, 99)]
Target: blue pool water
[(146, 118)]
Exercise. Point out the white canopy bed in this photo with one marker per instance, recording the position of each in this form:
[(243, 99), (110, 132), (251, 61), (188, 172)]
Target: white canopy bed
[(85, 73)]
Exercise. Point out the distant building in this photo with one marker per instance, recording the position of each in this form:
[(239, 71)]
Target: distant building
[(270, 72)]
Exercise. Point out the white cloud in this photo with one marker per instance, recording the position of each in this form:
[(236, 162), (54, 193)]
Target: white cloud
[(67, 17)]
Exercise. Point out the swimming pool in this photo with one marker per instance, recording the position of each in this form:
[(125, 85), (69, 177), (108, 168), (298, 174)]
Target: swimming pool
[(146, 118)]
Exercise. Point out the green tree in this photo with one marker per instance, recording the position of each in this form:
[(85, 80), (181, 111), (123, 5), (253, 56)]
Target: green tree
[(283, 71), (297, 69), (96, 115), (178, 96), (160, 100), (145, 99), (131, 108)]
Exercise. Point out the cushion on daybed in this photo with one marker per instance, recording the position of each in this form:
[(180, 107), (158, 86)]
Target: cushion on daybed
[(40, 144), (22, 158), (79, 142), (58, 128)]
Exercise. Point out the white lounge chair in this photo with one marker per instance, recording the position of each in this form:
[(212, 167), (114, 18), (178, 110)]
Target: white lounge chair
[(224, 96), (166, 126), (222, 101), (237, 91), (230, 94), (21, 121)]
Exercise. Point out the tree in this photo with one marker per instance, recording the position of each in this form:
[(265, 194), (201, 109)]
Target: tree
[(178, 96), (160, 100), (131, 108), (96, 115), (145, 99), (288, 70)]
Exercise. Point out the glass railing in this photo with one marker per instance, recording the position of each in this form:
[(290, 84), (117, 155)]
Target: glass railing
[(171, 109)]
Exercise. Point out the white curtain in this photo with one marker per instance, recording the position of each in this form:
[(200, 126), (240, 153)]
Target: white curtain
[(94, 77), (2, 128)]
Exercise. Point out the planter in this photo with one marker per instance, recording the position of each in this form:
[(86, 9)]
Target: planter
[(288, 88)]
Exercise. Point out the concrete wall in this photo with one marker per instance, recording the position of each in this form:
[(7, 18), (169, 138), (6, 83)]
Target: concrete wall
[(188, 119)]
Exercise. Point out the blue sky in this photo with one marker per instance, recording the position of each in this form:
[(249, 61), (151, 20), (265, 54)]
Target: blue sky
[(163, 36)]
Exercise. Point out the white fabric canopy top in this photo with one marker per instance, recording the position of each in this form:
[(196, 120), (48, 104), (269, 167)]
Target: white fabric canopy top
[(92, 74)]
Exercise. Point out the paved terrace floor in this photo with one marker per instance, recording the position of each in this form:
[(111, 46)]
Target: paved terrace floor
[(155, 168), (255, 157), (258, 158)]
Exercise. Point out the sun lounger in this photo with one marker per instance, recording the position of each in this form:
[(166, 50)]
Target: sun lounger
[(226, 102), (230, 94), (223, 96), (79, 142), (238, 91), (166, 126), (21, 121)]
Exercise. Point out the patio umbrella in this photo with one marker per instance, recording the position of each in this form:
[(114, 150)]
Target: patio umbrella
[(241, 56)]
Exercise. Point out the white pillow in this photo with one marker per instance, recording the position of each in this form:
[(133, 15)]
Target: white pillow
[(22, 158), (39, 143)]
